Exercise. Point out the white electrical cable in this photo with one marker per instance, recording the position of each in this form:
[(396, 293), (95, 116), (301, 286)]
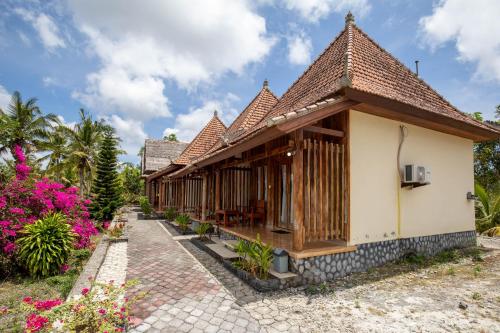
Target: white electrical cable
[(402, 136)]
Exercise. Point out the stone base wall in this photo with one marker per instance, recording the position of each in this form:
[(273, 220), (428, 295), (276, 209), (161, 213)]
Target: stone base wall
[(368, 255), (328, 267)]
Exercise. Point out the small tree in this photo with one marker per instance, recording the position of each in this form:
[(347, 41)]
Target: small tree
[(106, 186), (171, 137), (132, 183)]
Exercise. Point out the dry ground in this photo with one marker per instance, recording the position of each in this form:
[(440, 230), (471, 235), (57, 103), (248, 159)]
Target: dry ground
[(405, 297)]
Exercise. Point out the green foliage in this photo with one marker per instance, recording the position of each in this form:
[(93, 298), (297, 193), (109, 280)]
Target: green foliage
[(132, 183), (170, 214), (145, 205), (256, 257), (106, 185), (487, 209), (183, 221), (85, 139), (171, 137), (116, 231), (203, 229), (46, 245), (23, 123)]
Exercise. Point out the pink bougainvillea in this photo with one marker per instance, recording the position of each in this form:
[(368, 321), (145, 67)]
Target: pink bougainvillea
[(24, 199)]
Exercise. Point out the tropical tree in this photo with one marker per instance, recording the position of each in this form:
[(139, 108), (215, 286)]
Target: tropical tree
[(106, 188), (131, 182), (171, 137), (24, 124), (487, 209), (57, 157), (85, 138)]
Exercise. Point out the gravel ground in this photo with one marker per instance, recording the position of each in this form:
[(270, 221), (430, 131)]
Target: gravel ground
[(394, 298)]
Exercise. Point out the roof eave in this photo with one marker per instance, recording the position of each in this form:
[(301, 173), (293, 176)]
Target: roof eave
[(389, 108)]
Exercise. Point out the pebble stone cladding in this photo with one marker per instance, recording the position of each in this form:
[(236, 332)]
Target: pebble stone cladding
[(367, 255)]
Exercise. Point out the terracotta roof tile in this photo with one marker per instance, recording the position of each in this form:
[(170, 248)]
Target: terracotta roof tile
[(354, 59), (203, 141)]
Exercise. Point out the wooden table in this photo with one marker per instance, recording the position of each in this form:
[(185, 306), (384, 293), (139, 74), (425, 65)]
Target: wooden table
[(226, 213)]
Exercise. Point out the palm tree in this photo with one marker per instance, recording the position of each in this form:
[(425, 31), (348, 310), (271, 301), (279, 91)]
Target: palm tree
[(488, 207), (85, 138), (24, 124), (57, 146)]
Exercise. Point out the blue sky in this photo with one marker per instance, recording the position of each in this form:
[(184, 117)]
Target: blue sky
[(157, 67)]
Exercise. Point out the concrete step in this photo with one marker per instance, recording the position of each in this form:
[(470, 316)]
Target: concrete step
[(222, 251), (286, 275), (230, 243)]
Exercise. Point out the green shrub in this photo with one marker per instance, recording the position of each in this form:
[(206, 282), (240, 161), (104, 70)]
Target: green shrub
[(183, 221), (256, 257), (145, 205), (170, 214), (46, 245), (203, 229)]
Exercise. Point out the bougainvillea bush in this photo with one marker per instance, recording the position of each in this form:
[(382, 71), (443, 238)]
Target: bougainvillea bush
[(99, 309), (24, 199)]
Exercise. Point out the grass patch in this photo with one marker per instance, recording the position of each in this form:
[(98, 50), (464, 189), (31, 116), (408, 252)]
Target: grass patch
[(14, 289), (319, 289), (444, 257)]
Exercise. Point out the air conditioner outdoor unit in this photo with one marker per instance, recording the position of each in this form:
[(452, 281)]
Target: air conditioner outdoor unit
[(416, 174)]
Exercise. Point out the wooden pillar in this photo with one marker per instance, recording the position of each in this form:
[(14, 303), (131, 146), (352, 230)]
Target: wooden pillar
[(217, 190), (271, 197), (147, 189), (183, 181), (298, 188), (160, 197), (204, 197)]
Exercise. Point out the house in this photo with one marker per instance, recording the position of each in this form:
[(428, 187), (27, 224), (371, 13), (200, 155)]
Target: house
[(322, 168), (158, 154)]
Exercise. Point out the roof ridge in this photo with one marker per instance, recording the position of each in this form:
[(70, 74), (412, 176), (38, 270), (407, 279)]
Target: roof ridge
[(215, 117), (311, 65)]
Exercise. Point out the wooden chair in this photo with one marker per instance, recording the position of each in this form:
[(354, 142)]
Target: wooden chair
[(257, 213)]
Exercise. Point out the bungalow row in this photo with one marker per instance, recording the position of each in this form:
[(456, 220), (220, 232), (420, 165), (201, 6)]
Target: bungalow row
[(358, 163)]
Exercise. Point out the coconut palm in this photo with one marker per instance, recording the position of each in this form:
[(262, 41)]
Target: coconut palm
[(57, 148), (488, 208), (84, 145), (24, 124)]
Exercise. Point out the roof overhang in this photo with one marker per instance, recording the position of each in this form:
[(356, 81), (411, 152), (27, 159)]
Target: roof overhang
[(385, 107), (162, 172), (275, 128)]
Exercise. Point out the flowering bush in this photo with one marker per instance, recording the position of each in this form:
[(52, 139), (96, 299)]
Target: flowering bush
[(23, 200), (99, 309)]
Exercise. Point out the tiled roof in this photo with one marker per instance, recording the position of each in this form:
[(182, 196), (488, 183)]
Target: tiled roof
[(256, 110), (205, 140), (353, 59), (159, 154)]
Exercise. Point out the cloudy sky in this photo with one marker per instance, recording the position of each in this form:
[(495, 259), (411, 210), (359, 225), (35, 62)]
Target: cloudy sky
[(156, 67)]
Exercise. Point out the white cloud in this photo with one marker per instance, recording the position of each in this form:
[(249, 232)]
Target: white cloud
[(473, 26), (299, 49), (45, 26), (188, 125), (25, 39), (315, 10), (49, 81), (142, 43), (114, 90), (4, 98), (131, 133), (63, 121)]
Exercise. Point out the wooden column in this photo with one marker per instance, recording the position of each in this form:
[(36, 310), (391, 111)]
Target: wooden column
[(271, 197), (217, 190), (183, 191), (204, 194), (298, 189), (147, 189)]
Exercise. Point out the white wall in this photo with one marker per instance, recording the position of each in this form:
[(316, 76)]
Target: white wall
[(380, 209)]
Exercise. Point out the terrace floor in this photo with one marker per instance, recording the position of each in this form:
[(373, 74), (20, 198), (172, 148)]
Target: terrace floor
[(285, 241)]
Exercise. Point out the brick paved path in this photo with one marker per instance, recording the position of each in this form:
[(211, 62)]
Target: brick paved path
[(182, 296)]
